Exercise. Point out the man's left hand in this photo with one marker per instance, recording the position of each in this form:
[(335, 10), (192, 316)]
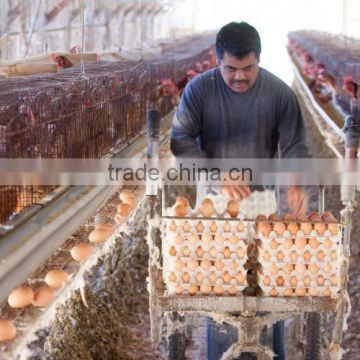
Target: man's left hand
[(297, 200)]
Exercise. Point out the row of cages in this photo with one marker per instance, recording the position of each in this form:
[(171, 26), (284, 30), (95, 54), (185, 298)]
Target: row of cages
[(332, 64), (87, 110)]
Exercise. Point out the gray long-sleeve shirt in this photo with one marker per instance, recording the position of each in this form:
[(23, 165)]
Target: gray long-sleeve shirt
[(213, 121)]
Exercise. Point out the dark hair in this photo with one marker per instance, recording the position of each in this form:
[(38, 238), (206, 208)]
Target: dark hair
[(239, 39)]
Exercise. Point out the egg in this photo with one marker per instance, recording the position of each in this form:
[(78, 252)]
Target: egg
[(172, 226), (179, 265), (260, 218), (207, 208), (328, 243), (80, 252), (205, 289), (227, 227), (199, 252), (327, 292), (300, 242), (240, 226), (333, 228), (264, 228), (172, 251), (320, 255), (7, 330), (180, 210), (21, 297), (179, 239), (328, 215), (213, 252), (232, 291), (172, 277), (300, 292), (240, 253), (192, 265), (328, 268), (219, 239), (218, 290), (200, 227), (274, 217), (128, 198), (227, 277), (274, 269), (233, 208), (240, 278), (234, 265), (179, 289), (288, 217), (320, 228), (213, 227), (313, 242), (300, 268), (293, 228), (186, 227), (274, 244), (334, 255), (206, 238), (279, 228), (305, 226), (123, 209), (274, 292), (280, 281), (307, 255), (293, 256), (185, 251), (313, 268), (227, 253), (334, 280), (288, 292), (205, 264), (193, 289), (320, 280), (43, 296), (186, 277), (266, 280), (315, 216), (307, 280), (288, 243), (199, 277), (280, 256), (293, 281), (233, 239), (99, 235), (288, 268), (313, 291), (56, 278), (266, 256), (182, 200), (219, 265), (212, 277), (194, 238)]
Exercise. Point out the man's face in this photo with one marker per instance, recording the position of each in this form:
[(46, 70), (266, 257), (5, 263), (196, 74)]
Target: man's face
[(239, 74)]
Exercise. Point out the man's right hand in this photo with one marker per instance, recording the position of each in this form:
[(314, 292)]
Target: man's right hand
[(237, 192)]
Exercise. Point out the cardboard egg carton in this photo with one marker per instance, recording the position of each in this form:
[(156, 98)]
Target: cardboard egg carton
[(300, 234), (319, 291), (204, 290)]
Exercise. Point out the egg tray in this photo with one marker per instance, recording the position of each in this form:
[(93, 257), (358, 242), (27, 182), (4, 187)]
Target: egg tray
[(300, 234), (322, 291)]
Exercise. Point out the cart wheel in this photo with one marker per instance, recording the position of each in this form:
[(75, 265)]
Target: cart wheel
[(313, 336)]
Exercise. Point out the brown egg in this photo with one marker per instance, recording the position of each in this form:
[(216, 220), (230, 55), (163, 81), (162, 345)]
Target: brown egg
[(260, 218), (234, 265), (300, 242), (240, 226), (212, 277), (7, 330), (207, 208), (264, 228), (307, 255), (274, 244), (199, 252), (172, 226), (327, 292), (279, 228), (213, 252), (233, 239), (213, 227), (293, 281), (180, 210), (219, 265), (123, 209), (205, 264), (194, 238), (274, 292), (320, 280), (240, 253), (227, 253), (227, 277), (328, 268), (288, 217), (280, 281), (320, 255), (300, 268), (266, 256), (182, 200), (233, 208), (305, 226), (288, 268), (80, 252), (227, 227), (293, 256), (43, 296), (179, 239), (274, 217), (288, 292), (334, 255), (315, 217), (274, 269), (99, 235), (240, 278), (186, 277), (179, 289), (192, 265), (313, 242), (232, 291), (307, 280), (313, 268), (207, 238), (333, 228), (179, 265), (200, 227), (334, 280), (205, 289), (172, 277), (328, 215), (186, 227), (218, 290), (300, 292), (288, 243), (293, 228), (172, 251), (199, 277), (320, 228), (185, 251), (219, 238), (56, 278), (21, 297), (128, 198), (280, 256), (266, 280)]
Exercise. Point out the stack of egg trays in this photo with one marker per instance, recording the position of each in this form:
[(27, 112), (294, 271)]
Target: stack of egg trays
[(328, 267), (234, 264)]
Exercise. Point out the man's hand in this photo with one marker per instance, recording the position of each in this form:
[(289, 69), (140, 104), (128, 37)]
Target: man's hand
[(297, 200), (237, 192)]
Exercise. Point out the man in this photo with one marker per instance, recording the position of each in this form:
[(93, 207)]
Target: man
[(240, 110)]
